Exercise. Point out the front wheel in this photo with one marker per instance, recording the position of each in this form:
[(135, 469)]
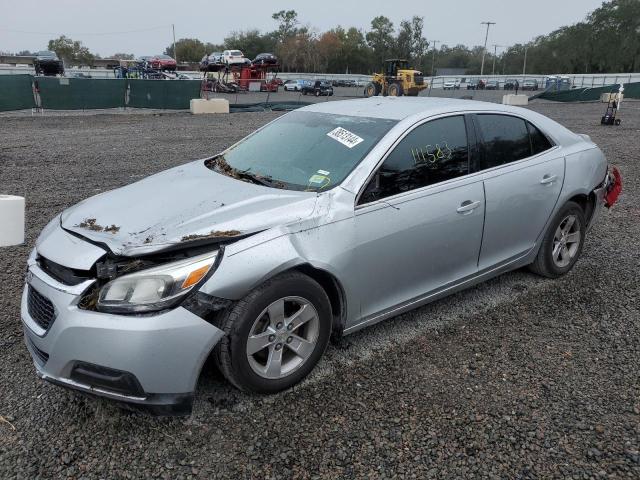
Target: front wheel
[(275, 335), (562, 244)]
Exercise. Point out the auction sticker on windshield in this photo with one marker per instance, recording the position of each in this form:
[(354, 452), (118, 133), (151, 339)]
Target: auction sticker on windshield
[(345, 137)]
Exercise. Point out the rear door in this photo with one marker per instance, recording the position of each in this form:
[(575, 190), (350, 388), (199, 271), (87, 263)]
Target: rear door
[(523, 174)]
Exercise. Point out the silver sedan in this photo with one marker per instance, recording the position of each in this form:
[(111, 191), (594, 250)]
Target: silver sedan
[(329, 219)]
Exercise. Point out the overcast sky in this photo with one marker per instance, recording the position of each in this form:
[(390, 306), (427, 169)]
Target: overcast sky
[(110, 26)]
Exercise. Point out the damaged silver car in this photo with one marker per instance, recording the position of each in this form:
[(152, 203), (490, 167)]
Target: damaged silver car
[(329, 219)]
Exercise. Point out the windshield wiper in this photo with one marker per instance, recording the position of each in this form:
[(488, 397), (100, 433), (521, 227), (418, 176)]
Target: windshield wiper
[(258, 179)]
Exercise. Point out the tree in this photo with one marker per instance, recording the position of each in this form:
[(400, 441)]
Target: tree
[(188, 49), (71, 52), (380, 38), (287, 22), (251, 42)]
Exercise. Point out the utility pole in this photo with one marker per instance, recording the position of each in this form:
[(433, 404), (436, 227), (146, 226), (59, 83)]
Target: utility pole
[(433, 60), (484, 50), (495, 54), (524, 67), (175, 54)]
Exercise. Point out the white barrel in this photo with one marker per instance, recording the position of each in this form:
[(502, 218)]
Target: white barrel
[(11, 220)]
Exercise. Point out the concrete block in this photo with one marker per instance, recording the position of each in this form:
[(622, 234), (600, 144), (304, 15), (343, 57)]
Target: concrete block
[(213, 105), (512, 99)]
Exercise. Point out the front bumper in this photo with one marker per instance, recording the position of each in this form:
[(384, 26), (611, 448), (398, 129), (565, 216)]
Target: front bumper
[(149, 361)]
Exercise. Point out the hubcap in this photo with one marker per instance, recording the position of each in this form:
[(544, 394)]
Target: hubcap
[(566, 241), (283, 337)]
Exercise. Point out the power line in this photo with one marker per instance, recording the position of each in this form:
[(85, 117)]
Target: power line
[(86, 33)]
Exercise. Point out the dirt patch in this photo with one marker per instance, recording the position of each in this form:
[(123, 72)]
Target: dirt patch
[(91, 224), (212, 234)]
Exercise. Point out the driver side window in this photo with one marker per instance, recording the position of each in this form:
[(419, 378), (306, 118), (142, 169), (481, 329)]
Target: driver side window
[(431, 153)]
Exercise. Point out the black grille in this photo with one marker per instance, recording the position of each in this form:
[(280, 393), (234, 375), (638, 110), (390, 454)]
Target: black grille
[(39, 355), (40, 308), (68, 276), (419, 79)]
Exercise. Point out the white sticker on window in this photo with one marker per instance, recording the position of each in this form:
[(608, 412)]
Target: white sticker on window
[(323, 172), (345, 137)]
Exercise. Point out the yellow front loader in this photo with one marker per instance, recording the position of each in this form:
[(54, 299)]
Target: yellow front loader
[(397, 79)]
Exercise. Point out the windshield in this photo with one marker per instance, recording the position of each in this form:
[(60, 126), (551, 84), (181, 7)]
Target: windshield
[(308, 151), (235, 52)]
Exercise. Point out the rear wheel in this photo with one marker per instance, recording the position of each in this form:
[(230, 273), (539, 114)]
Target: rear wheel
[(562, 244), (275, 335)]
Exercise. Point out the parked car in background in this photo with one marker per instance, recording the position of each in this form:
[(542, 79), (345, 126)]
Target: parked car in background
[(261, 253), (161, 62), (80, 75), (558, 83), (492, 85), (451, 84), (211, 62), (233, 57), (265, 59), (509, 84), (47, 63), (529, 84), (295, 85), (317, 88), (475, 84)]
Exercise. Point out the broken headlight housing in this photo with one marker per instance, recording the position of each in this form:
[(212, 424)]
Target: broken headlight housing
[(155, 288)]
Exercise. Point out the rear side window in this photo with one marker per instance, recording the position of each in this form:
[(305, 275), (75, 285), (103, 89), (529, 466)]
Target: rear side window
[(505, 139), (539, 142), (431, 153)]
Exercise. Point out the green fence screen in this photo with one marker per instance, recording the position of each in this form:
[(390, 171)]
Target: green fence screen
[(16, 92), (631, 90), (60, 93), (174, 95)]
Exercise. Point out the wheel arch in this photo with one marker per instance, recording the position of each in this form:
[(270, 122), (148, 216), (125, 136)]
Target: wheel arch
[(334, 290)]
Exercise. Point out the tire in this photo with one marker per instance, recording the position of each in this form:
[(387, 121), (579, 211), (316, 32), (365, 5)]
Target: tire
[(372, 89), (394, 90), (250, 315), (552, 266)]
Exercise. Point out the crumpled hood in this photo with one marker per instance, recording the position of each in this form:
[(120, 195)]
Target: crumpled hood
[(183, 204)]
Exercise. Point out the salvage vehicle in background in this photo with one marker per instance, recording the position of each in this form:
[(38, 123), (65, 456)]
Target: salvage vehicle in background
[(492, 85), (530, 84), (475, 84), (295, 85), (509, 84), (329, 219), (396, 79), (234, 57), (160, 62), (265, 59), (453, 84), (317, 88), (47, 63)]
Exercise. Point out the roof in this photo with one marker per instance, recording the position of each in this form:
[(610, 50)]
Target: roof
[(415, 108), (399, 108)]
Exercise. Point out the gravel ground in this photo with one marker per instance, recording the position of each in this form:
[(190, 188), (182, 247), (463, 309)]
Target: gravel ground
[(520, 377)]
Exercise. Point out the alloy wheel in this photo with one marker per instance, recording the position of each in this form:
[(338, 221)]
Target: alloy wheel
[(283, 337), (566, 241)]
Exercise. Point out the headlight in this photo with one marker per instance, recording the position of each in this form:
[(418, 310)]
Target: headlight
[(155, 288)]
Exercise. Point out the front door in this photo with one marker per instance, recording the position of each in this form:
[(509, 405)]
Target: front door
[(419, 221)]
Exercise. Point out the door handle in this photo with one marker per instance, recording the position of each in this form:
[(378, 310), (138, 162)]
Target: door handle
[(548, 179), (468, 206)]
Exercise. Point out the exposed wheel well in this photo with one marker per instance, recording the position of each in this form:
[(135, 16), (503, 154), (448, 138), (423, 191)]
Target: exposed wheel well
[(334, 291), (586, 202)]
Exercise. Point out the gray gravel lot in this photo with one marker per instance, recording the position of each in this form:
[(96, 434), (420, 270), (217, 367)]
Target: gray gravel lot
[(520, 377)]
